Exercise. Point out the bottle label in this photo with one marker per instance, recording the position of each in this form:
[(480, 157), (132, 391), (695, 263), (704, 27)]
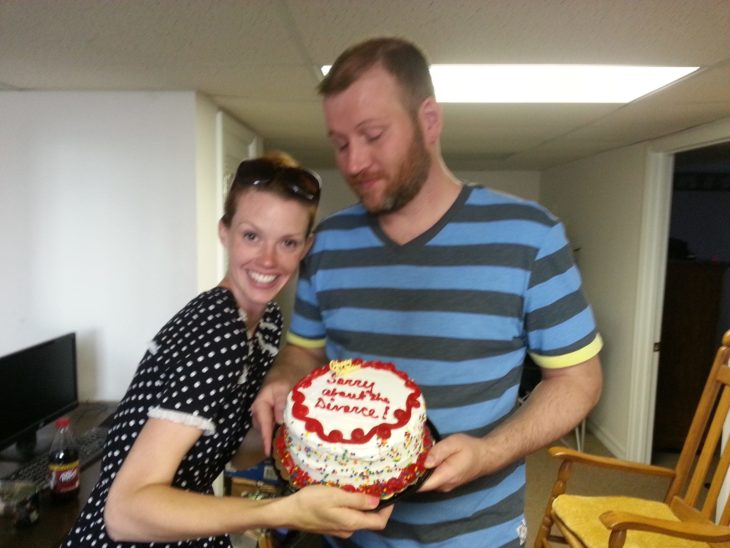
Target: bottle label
[(65, 477)]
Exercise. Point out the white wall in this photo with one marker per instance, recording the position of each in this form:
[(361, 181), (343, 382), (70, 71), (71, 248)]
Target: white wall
[(98, 222), (525, 184), (616, 208), (600, 201)]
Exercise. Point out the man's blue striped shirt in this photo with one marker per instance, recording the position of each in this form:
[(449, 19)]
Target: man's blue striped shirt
[(456, 308)]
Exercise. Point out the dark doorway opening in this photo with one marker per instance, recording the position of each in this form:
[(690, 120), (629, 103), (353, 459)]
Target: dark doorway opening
[(697, 288)]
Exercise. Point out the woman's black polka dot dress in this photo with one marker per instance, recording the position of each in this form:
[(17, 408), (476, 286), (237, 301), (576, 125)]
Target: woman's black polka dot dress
[(201, 369)]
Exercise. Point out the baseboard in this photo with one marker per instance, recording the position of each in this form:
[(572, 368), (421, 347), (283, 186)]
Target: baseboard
[(617, 450)]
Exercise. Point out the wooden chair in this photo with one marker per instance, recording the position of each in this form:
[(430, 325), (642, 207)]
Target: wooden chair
[(686, 516)]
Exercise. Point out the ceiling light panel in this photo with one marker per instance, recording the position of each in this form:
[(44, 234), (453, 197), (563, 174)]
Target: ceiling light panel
[(549, 83)]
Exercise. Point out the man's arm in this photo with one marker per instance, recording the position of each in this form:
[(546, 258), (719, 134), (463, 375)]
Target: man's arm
[(292, 363), (557, 405)]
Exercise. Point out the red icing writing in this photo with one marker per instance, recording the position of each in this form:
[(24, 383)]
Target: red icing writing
[(343, 381), (367, 394), (347, 409), (357, 394)]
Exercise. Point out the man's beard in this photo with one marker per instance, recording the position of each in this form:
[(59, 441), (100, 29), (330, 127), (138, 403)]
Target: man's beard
[(409, 178)]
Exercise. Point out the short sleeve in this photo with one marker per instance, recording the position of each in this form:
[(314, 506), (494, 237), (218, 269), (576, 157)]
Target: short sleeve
[(201, 357), (307, 328), (561, 329)]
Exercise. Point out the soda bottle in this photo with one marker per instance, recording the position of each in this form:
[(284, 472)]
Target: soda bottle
[(63, 462)]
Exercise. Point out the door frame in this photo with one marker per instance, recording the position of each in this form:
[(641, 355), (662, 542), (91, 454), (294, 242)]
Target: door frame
[(654, 239), (234, 143)]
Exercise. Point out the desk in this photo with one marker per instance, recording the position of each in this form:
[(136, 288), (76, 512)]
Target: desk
[(56, 518)]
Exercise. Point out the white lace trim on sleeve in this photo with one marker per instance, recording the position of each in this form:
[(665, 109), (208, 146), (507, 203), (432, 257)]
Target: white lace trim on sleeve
[(206, 425)]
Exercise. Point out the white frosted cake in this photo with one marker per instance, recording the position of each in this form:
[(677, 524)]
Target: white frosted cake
[(356, 425)]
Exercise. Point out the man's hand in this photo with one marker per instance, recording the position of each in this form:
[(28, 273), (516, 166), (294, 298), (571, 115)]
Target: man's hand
[(268, 409), (292, 363), (457, 459)]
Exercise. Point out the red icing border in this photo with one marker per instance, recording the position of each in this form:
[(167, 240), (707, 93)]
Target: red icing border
[(300, 411), (299, 479)]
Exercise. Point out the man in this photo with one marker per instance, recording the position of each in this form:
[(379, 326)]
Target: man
[(451, 282)]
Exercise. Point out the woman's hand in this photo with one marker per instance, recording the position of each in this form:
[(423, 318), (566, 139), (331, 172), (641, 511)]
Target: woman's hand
[(331, 511)]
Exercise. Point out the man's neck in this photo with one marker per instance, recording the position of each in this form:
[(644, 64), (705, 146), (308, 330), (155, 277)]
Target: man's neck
[(438, 194)]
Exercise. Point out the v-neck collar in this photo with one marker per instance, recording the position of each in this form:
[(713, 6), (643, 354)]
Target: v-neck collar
[(422, 239)]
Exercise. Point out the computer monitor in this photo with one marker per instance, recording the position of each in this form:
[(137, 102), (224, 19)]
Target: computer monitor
[(37, 385)]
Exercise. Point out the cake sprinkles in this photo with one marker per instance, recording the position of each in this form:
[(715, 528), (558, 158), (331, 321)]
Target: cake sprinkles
[(359, 425)]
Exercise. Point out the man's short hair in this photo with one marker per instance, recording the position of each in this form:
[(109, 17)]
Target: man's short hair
[(398, 57)]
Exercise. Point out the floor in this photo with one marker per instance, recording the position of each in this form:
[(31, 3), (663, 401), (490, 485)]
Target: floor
[(303, 541)]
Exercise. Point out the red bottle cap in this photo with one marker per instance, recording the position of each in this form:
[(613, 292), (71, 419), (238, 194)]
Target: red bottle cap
[(63, 422)]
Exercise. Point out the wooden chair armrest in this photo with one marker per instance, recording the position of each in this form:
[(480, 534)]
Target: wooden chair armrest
[(685, 512), (705, 532), (568, 454)]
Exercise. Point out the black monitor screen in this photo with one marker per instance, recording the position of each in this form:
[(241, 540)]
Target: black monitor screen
[(37, 385)]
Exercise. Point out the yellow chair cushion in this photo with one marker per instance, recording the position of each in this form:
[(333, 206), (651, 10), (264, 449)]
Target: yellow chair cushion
[(580, 515)]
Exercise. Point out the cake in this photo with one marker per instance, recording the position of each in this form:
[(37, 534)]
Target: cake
[(359, 425)]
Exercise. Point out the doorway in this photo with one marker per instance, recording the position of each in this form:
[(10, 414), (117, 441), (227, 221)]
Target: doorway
[(696, 302), (234, 143)]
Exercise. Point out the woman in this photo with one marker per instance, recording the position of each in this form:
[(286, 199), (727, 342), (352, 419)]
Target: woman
[(186, 411)]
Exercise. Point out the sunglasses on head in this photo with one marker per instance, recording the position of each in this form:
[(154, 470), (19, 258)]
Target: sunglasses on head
[(299, 182)]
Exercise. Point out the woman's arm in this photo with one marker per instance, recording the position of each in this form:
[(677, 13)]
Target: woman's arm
[(143, 505)]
